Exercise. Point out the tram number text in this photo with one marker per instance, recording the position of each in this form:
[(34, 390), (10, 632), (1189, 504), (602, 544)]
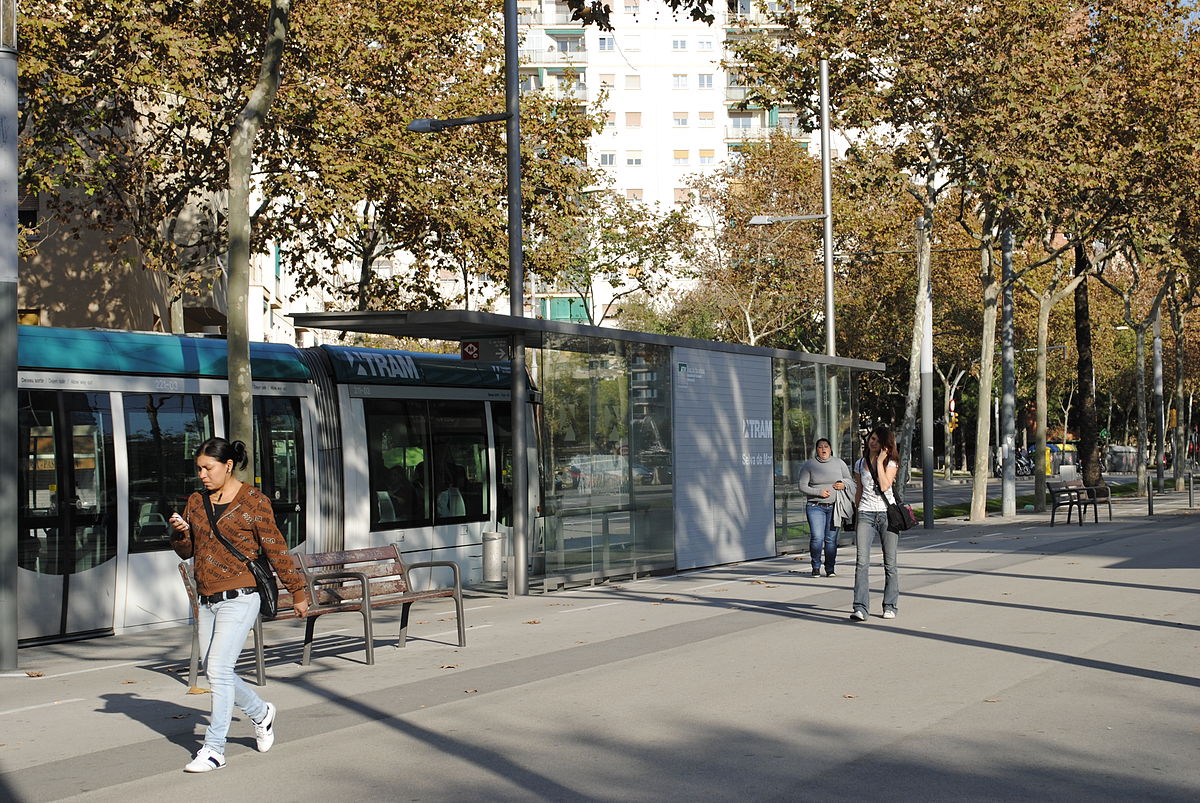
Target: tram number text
[(168, 385)]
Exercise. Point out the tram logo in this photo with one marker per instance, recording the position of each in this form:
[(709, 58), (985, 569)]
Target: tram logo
[(756, 428), (383, 365)]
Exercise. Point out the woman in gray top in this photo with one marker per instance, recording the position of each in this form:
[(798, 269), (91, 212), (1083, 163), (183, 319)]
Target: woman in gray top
[(821, 478)]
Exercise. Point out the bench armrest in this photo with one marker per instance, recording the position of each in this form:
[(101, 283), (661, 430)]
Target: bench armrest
[(431, 564), (317, 578)]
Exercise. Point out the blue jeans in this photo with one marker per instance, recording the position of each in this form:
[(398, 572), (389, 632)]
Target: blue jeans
[(822, 536), (224, 626), (870, 524)]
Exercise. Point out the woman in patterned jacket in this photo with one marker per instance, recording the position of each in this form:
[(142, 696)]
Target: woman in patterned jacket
[(229, 601)]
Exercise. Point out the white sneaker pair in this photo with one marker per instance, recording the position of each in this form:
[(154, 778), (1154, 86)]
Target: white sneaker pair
[(207, 759)]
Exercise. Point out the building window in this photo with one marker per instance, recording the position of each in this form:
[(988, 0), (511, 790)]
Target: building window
[(704, 45), (678, 44), (682, 195), (632, 8), (633, 82), (607, 80), (704, 81), (740, 121), (633, 195), (29, 317), (610, 120), (608, 158), (633, 119), (680, 118), (633, 158), (706, 119), (681, 157), (707, 156), (679, 81), (606, 44)]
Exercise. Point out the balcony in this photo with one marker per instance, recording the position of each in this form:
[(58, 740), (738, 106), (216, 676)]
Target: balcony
[(553, 57), (761, 132)]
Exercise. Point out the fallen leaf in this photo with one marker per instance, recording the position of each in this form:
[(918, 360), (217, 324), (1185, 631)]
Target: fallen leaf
[(198, 690), (992, 700), (757, 583), (771, 586), (656, 603), (448, 666), (850, 696), (471, 691), (669, 599), (127, 682), (34, 674), (534, 622)]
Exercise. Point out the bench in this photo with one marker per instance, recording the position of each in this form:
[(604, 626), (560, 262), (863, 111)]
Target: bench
[(1073, 494), (347, 581)]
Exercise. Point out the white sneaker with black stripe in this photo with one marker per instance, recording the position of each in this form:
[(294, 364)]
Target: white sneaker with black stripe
[(206, 760), (264, 733)]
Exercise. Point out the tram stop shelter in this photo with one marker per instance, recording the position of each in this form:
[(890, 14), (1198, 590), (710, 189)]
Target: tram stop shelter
[(655, 453)]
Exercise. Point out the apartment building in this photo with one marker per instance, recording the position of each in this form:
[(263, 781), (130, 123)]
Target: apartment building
[(671, 109)]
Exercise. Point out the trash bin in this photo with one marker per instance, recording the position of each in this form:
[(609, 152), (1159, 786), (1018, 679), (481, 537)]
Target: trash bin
[(493, 557)]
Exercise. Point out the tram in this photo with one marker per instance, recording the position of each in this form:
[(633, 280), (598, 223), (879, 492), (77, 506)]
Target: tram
[(355, 447)]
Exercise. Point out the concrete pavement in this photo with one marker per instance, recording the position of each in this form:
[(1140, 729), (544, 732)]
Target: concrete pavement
[(1026, 662)]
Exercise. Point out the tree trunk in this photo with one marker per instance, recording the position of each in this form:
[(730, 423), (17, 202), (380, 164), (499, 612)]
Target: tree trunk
[(177, 326), (987, 350), (241, 159), (1089, 426), (909, 422), (1043, 405), (1143, 439)]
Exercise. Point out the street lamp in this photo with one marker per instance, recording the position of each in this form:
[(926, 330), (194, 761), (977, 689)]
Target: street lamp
[(518, 574), (8, 333)]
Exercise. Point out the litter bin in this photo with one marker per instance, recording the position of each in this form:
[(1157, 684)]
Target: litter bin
[(493, 557)]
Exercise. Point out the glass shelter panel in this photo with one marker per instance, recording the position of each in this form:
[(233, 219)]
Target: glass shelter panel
[(607, 452), (162, 433), (812, 401)]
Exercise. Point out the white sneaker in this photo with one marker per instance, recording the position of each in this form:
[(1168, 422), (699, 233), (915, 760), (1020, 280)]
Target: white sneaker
[(889, 614), (858, 615), (264, 732), (206, 760)]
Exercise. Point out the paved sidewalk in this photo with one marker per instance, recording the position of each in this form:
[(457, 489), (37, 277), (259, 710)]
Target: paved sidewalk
[(1027, 662)]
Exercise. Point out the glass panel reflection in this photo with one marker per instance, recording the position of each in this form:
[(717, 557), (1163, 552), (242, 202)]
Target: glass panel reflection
[(607, 452)]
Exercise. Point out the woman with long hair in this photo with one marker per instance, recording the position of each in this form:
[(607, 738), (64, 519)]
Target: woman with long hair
[(874, 474), (229, 600)]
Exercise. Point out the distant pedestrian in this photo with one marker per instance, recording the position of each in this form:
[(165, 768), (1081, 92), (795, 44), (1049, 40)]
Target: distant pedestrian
[(875, 473), (821, 479), (229, 601)]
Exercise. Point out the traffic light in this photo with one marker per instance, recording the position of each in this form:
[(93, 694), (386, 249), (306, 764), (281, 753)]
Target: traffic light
[(952, 420)]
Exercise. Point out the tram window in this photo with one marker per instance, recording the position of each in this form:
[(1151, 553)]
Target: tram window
[(397, 434), (163, 432), (460, 461), (279, 462)]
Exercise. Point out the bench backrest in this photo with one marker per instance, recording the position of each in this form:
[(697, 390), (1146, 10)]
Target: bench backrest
[(382, 565)]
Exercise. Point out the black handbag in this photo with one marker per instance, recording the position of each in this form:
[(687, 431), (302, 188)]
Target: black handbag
[(260, 567), (899, 515)]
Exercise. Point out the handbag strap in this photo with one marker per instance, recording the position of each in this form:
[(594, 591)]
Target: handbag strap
[(212, 522), (871, 467)]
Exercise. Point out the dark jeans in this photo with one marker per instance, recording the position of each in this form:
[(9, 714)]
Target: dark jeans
[(823, 536)]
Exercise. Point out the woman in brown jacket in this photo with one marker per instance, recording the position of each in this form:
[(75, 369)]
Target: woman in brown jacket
[(229, 601)]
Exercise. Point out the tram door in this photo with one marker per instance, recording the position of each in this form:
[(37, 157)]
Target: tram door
[(66, 579)]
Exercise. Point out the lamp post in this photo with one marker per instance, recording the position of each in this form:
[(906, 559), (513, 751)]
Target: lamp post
[(831, 406), (8, 334), (518, 567)]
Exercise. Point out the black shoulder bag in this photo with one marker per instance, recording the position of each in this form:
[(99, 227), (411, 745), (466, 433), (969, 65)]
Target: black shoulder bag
[(900, 516), (260, 567)]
